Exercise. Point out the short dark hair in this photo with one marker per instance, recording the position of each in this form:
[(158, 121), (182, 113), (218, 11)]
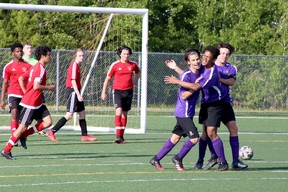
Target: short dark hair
[(191, 51), (16, 45), (123, 47), (41, 50), (227, 46), (214, 50)]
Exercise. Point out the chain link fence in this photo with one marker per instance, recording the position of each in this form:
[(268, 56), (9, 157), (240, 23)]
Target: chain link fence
[(261, 82)]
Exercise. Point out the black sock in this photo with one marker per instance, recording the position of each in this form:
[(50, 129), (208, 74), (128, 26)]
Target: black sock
[(83, 126), (59, 124)]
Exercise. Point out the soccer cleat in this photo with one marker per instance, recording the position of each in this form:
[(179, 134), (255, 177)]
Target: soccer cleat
[(156, 163), (211, 163), (23, 142), (238, 165), (120, 140), (88, 138), (178, 163), (198, 165), (42, 133), (7, 155), (51, 136), (223, 166)]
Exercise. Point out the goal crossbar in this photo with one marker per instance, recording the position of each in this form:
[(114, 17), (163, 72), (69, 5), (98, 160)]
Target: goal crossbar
[(144, 46)]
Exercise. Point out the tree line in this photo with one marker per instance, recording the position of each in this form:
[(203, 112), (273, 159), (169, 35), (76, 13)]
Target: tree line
[(253, 27)]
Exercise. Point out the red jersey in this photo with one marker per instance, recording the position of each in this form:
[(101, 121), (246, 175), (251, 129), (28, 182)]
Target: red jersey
[(33, 99), (123, 73), (11, 72), (73, 73)]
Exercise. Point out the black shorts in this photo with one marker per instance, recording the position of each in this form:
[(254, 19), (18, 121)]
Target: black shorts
[(73, 104), (228, 113), (186, 127), (123, 99), (211, 113), (28, 115), (14, 103)]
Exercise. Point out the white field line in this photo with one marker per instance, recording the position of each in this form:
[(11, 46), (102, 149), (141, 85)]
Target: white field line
[(138, 181)]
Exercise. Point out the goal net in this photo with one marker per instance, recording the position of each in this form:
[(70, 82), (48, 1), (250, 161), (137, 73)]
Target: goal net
[(110, 28)]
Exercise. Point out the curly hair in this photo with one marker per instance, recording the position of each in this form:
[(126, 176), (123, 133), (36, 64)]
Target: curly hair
[(123, 47), (16, 45), (227, 46), (191, 51), (41, 50), (214, 50)]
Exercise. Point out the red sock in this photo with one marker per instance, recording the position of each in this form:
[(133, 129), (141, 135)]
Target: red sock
[(10, 144), (123, 121), (39, 126), (118, 124), (13, 125)]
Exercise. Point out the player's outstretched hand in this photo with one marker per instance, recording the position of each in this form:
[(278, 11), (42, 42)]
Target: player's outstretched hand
[(171, 64), (170, 80)]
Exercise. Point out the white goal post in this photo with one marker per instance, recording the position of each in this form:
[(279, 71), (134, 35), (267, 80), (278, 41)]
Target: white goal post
[(144, 46)]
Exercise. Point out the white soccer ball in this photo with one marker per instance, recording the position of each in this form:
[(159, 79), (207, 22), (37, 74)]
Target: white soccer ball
[(246, 153)]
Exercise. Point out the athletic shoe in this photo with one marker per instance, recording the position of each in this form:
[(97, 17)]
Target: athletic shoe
[(223, 166), (156, 163), (178, 163), (211, 163), (120, 140), (23, 142), (239, 165), (7, 155), (51, 136), (198, 165), (42, 133), (88, 138)]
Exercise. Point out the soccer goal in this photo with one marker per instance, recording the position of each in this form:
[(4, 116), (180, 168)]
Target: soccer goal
[(118, 26)]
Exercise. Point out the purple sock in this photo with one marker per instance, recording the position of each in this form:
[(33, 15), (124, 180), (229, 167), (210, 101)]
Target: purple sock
[(187, 146), (211, 149), (202, 149), (167, 147), (234, 143), (219, 149)]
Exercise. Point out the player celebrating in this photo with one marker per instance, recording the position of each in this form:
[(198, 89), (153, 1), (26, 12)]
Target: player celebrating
[(75, 100), (32, 101), (126, 74), (184, 113), (212, 100), (11, 73), (228, 74)]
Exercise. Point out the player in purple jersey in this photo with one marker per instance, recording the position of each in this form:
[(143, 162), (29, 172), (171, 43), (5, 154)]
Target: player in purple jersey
[(184, 113), (212, 101), (228, 74)]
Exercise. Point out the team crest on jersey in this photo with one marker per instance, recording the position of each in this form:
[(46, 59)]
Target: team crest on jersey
[(129, 68), (13, 69), (119, 68)]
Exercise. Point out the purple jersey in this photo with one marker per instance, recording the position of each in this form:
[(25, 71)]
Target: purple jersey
[(210, 83), (186, 108), (227, 71)]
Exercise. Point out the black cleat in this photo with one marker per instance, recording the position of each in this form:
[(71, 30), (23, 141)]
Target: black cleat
[(238, 165), (23, 142), (223, 166), (198, 165), (178, 163), (7, 155), (156, 163), (211, 163), (120, 140)]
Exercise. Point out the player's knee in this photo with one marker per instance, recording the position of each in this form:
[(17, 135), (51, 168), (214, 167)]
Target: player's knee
[(194, 140)]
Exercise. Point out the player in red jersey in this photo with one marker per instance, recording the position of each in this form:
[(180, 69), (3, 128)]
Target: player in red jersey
[(126, 73), (75, 101), (11, 73), (32, 100)]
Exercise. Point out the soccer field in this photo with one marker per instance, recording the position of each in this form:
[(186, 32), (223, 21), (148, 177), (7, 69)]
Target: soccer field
[(72, 165)]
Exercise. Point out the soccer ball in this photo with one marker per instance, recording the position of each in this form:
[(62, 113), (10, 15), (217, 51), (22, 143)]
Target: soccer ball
[(246, 153)]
